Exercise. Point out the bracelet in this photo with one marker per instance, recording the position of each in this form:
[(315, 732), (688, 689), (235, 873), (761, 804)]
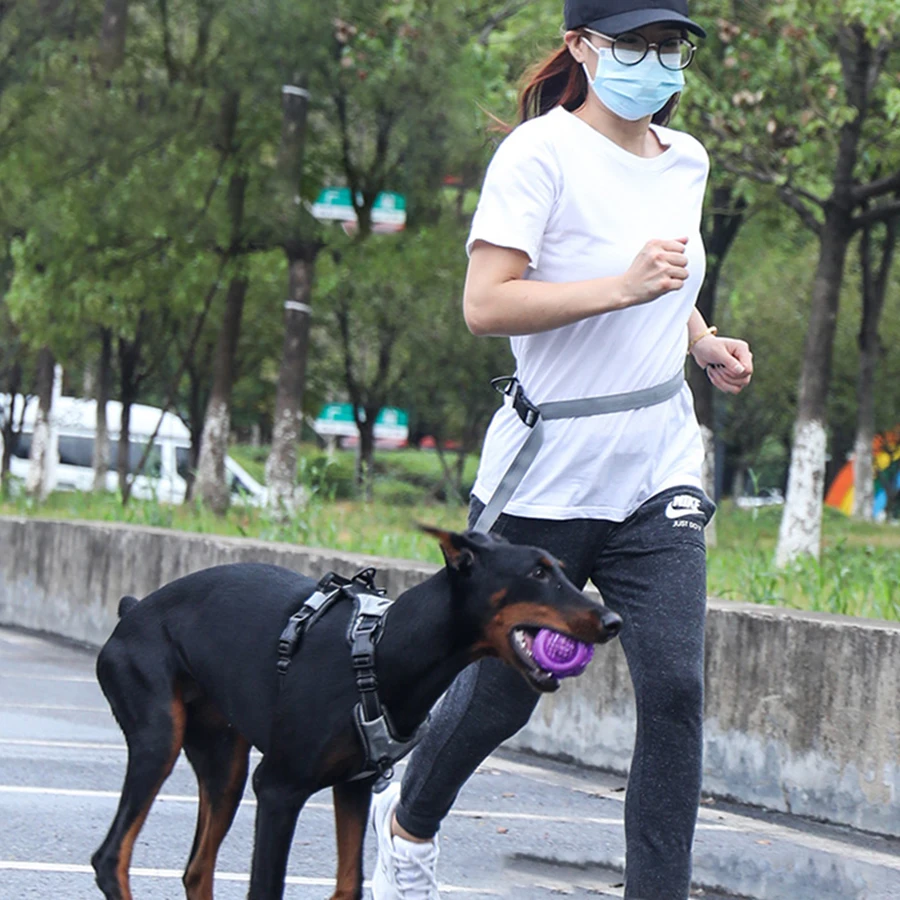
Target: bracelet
[(711, 330)]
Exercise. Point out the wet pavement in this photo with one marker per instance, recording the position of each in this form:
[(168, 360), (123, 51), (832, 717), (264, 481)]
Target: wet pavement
[(523, 827)]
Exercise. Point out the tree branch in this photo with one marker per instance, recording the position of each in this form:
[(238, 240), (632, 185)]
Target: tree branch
[(877, 214), (876, 188)]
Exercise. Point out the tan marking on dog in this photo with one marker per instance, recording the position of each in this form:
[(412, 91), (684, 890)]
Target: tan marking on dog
[(497, 598), (581, 625), (351, 810), (126, 847), (214, 824)]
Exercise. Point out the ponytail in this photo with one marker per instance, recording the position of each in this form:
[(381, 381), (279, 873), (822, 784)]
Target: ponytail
[(560, 81)]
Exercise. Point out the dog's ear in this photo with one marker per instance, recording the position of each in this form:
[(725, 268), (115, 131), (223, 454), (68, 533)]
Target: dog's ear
[(458, 551)]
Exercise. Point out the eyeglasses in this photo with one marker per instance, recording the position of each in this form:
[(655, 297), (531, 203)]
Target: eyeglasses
[(631, 48)]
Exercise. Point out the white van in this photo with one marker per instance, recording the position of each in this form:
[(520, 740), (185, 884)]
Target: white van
[(167, 465)]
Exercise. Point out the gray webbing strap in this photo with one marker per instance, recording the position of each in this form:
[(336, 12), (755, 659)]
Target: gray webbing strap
[(568, 409)]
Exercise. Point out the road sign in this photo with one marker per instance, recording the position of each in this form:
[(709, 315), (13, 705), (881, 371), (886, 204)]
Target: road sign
[(335, 204), (337, 419)]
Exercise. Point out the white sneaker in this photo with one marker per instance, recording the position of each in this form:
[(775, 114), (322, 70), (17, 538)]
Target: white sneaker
[(404, 870)]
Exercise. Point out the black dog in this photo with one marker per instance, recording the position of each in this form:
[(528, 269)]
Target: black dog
[(196, 666)]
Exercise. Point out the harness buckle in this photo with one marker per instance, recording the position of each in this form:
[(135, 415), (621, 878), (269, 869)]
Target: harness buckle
[(510, 386), (363, 660), (367, 682)]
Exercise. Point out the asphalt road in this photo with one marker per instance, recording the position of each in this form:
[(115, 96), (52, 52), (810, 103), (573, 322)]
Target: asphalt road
[(521, 827)]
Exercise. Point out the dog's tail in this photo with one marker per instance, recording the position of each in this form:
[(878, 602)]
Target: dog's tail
[(126, 604)]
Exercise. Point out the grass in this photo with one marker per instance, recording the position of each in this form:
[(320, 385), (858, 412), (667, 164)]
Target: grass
[(857, 575)]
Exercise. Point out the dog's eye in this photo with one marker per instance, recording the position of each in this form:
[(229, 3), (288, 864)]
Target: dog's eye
[(540, 573)]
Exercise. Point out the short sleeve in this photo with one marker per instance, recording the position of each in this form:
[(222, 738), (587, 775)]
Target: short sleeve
[(518, 195)]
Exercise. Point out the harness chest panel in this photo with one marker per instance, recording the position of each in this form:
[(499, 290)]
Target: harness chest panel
[(377, 735)]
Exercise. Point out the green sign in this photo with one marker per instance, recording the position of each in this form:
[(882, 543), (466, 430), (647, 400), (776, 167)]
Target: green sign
[(335, 204), (337, 419)]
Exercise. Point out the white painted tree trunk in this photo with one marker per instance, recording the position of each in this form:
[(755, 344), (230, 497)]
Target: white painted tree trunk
[(211, 486), (284, 496), (709, 478), (801, 521), (41, 478), (863, 481)]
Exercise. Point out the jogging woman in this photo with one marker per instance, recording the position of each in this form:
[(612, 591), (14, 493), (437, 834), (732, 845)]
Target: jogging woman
[(585, 250)]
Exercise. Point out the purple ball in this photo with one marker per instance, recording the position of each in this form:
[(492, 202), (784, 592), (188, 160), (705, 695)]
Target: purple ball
[(562, 656)]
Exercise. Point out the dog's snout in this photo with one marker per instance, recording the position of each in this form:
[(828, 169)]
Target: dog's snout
[(612, 624)]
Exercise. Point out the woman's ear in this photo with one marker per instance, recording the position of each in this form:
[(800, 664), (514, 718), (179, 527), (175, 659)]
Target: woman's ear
[(575, 42)]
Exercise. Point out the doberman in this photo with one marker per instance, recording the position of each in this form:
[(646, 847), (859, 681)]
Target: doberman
[(194, 666)]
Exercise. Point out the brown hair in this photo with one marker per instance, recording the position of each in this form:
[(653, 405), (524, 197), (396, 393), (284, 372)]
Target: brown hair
[(559, 80)]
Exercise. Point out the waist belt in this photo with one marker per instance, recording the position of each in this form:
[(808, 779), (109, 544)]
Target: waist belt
[(533, 416)]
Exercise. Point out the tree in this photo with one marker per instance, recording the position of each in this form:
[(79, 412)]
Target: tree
[(814, 102), (874, 290)]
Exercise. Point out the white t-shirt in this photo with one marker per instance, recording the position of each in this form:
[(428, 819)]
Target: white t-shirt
[(582, 207)]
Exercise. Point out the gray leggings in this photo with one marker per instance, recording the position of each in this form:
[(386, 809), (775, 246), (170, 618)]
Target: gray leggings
[(651, 570)]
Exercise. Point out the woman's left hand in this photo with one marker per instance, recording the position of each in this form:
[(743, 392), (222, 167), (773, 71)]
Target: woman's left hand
[(728, 362)]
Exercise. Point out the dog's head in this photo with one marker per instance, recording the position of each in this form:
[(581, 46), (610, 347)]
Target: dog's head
[(508, 592)]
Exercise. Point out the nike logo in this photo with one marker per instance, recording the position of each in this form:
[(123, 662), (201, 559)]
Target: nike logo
[(683, 505)]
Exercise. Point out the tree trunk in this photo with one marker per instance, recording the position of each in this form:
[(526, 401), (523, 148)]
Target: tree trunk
[(211, 485), (37, 481), (801, 522), (10, 433), (196, 407), (365, 460), (112, 34), (874, 288), (100, 459), (281, 464), (129, 359)]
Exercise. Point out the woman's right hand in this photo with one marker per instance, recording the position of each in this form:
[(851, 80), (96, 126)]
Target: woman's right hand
[(659, 268)]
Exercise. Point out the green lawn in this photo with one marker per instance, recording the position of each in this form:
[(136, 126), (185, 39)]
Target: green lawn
[(858, 574)]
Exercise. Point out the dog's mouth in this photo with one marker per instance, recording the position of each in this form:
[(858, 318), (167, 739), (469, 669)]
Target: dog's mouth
[(521, 639)]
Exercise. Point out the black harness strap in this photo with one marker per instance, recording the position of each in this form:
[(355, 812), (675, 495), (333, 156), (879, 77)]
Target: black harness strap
[(373, 725)]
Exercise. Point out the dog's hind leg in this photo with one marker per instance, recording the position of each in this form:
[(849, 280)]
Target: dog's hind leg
[(154, 730), (351, 812), (220, 757), (279, 801)]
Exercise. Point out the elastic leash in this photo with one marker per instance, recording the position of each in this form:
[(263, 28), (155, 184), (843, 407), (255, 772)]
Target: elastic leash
[(376, 732), (534, 415)]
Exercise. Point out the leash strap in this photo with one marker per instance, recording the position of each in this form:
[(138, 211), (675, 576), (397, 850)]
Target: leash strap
[(533, 416)]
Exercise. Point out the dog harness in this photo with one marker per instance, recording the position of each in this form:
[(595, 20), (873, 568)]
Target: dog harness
[(373, 724), (533, 416)]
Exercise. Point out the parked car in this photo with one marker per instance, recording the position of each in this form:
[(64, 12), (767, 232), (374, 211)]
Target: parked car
[(766, 497), (165, 472)]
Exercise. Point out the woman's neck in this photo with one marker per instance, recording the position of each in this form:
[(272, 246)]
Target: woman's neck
[(635, 137)]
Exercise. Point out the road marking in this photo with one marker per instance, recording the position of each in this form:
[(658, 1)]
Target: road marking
[(54, 707), (65, 745), (14, 865), (33, 676), (249, 801)]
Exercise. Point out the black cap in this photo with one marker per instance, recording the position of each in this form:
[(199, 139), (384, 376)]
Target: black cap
[(614, 17)]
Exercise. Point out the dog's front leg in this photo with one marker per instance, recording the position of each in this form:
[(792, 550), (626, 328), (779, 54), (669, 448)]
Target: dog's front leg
[(278, 804), (351, 811)]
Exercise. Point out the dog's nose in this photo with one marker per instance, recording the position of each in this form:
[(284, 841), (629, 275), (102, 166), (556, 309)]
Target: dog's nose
[(612, 624)]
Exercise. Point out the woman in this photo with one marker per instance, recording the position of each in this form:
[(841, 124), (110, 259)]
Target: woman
[(585, 249)]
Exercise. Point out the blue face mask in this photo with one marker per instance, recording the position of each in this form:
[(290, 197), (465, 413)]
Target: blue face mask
[(633, 92)]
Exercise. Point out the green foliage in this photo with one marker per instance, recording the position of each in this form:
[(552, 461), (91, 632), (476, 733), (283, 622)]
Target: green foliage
[(859, 573)]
